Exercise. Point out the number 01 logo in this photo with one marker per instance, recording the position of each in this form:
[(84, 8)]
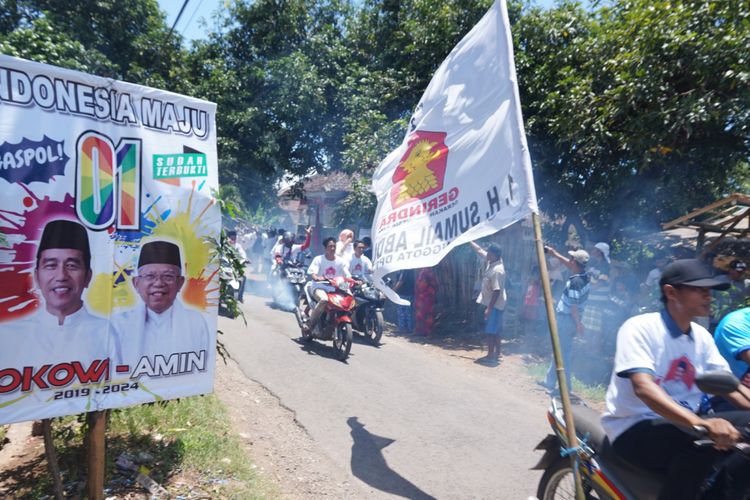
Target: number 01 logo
[(108, 181)]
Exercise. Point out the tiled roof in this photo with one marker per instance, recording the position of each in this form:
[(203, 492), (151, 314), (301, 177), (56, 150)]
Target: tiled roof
[(335, 181)]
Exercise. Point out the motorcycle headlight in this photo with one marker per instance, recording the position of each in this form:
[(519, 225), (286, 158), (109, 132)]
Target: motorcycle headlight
[(371, 294), (335, 300)]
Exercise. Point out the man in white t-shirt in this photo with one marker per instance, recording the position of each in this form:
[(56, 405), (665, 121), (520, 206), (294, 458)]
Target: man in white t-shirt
[(287, 250), (323, 268), (652, 395), (492, 298), (359, 265)]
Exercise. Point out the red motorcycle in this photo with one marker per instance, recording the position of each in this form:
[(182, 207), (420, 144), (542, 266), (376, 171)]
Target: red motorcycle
[(336, 322)]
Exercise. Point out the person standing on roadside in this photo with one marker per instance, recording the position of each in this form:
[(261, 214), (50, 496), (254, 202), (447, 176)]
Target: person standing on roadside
[(424, 302), (569, 310), (492, 296), (405, 287)]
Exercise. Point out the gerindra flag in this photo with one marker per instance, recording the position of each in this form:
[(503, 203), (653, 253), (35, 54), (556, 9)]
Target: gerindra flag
[(463, 170)]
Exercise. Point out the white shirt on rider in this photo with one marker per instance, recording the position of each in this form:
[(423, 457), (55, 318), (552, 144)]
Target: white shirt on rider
[(330, 269), (653, 343), (360, 266), (287, 253)]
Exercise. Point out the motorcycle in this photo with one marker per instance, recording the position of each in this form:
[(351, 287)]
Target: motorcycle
[(289, 280), (368, 311), (336, 322), (603, 474)]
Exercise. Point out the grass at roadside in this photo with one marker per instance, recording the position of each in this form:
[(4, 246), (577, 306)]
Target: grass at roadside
[(591, 393), (187, 445), (2, 435)]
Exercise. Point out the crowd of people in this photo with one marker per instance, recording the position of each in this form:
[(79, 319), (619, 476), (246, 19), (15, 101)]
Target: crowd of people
[(657, 330)]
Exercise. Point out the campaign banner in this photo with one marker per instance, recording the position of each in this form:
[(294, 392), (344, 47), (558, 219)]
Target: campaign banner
[(463, 170), (108, 278)]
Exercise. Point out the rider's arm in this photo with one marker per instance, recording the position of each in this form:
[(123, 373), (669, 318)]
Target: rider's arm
[(306, 244), (739, 398), (647, 390), (314, 268)]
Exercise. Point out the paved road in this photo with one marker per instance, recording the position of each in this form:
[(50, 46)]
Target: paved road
[(405, 419)]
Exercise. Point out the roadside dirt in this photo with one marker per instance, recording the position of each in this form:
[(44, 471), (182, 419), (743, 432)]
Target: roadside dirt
[(20, 457), (278, 445)]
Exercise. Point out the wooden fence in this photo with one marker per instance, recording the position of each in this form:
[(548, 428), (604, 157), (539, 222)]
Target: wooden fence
[(458, 276)]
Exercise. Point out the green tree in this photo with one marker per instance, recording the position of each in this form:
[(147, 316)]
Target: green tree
[(639, 113), (123, 39)]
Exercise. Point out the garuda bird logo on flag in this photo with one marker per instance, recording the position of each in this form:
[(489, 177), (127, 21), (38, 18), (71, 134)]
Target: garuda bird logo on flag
[(421, 171)]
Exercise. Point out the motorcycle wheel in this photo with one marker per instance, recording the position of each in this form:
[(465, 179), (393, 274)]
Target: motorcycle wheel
[(298, 313), (342, 340), (558, 482), (374, 327)]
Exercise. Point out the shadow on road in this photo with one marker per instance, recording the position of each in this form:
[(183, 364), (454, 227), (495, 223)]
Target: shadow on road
[(361, 339), (322, 349), (369, 464)]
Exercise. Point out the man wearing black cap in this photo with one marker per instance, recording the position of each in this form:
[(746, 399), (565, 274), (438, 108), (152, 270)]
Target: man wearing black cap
[(652, 395), (62, 329), (160, 324), (63, 268)]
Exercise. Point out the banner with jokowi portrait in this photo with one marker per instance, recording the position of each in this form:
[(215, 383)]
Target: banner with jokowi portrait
[(463, 170), (108, 278)]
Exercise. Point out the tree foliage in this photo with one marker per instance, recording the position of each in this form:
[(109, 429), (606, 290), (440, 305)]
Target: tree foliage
[(635, 110)]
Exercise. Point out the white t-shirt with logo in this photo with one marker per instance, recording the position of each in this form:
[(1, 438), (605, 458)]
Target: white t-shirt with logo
[(360, 266), (286, 253), (321, 266), (652, 343)]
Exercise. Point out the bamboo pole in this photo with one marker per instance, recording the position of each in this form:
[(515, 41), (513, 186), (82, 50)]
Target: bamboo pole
[(96, 454), (557, 353), (51, 454)]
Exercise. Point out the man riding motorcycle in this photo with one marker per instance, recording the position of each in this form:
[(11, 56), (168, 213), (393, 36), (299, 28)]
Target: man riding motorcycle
[(360, 267), (652, 396), (286, 248), (323, 268)]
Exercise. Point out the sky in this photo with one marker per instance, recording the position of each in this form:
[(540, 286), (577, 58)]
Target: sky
[(190, 25)]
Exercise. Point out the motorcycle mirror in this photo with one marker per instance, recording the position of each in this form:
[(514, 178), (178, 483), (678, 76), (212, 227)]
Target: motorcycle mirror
[(717, 382)]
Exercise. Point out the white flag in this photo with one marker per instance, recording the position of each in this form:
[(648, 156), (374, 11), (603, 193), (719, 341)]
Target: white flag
[(463, 170)]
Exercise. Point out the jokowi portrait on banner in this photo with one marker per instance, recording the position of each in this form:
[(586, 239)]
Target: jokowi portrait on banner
[(62, 330)]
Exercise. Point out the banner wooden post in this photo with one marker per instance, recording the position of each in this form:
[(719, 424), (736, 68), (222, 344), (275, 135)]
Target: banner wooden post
[(51, 454), (97, 426), (557, 353)]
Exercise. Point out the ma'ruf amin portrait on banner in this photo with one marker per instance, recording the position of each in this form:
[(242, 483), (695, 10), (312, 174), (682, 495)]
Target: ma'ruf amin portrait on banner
[(160, 323)]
